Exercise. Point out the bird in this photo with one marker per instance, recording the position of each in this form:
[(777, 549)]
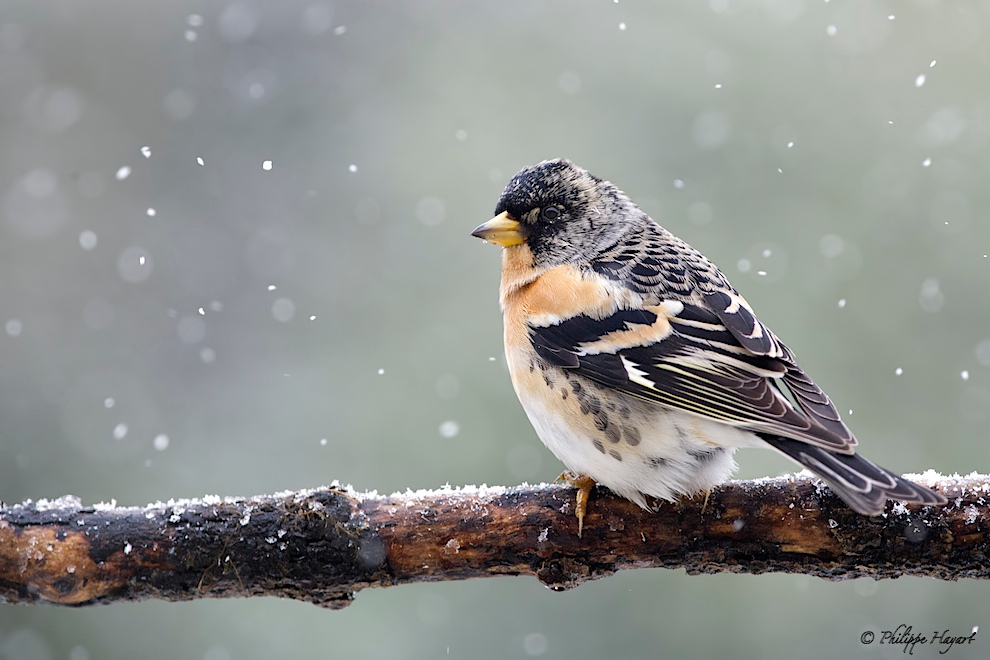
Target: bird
[(639, 365)]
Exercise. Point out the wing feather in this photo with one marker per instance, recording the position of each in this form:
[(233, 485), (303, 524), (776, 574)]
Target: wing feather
[(701, 367)]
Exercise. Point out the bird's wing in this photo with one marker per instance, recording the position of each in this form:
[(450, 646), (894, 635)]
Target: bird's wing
[(659, 266), (738, 318), (683, 355)]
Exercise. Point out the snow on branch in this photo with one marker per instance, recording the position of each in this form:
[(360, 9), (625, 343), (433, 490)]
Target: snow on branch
[(326, 544)]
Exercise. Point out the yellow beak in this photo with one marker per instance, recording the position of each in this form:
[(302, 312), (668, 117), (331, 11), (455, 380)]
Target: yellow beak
[(501, 230)]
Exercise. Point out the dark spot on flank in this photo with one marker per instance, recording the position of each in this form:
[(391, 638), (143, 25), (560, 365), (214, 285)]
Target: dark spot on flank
[(601, 421), (705, 456), (563, 393), (576, 386), (656, 461), (613, 433), (631, 434), (594, 404), (599, 446), (616, 455)]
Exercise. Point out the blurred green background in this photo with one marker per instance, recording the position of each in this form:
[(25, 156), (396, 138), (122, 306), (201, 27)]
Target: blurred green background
[(171, 329)]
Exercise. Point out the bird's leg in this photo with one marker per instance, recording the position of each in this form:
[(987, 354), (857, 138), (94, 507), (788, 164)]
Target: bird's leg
[(704, 505), (584, 484)]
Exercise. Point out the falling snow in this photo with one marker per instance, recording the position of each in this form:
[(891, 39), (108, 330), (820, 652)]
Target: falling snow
[(535, 644), (931, 298), (283, 310), (267, 165), (123, 173), (983, 352), (87, 240), (450, 429)]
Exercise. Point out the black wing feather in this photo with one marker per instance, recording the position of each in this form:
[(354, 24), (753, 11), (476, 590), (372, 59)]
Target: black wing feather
[(755, 337), (700, 368)]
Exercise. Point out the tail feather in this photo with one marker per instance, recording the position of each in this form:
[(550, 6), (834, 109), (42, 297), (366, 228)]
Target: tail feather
[(862, 484)]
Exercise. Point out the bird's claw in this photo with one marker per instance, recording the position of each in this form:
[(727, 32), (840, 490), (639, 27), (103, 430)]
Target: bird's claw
[(584, 484)]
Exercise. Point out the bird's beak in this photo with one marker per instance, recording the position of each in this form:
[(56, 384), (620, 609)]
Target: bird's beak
[(501, 230)]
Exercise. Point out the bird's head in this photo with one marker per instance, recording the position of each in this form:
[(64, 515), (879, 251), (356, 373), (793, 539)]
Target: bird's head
[(562, 213)]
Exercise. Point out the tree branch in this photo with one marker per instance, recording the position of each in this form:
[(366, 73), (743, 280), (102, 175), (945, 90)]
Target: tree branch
[(324, 545)]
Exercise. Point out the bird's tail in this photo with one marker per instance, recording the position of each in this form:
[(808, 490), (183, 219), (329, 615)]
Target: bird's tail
[(864, 485)]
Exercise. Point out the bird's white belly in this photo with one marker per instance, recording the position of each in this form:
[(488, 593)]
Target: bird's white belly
[(644, 448)]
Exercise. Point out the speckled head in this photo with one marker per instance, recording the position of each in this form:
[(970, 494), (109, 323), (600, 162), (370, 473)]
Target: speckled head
[(561, 212)]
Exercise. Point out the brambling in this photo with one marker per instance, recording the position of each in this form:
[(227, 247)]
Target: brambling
[(640, 366)]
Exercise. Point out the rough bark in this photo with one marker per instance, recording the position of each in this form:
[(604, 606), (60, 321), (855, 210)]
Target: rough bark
[(324, 545)]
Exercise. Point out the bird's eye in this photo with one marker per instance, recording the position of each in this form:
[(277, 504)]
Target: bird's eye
[(550, 213)]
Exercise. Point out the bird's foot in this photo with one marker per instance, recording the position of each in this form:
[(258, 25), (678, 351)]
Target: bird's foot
[(584, 484), (704, 505)]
